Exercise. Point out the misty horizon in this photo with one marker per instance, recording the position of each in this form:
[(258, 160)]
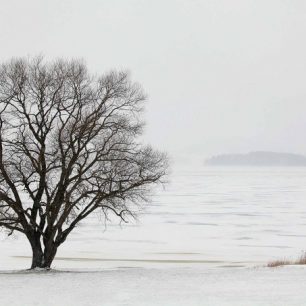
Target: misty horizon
[(257, 158), (221, 78)]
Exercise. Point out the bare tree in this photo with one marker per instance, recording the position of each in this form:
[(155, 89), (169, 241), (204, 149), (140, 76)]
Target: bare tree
[(69, 146)]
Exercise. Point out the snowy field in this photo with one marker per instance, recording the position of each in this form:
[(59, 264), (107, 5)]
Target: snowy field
[(165, 287), (203, 241)]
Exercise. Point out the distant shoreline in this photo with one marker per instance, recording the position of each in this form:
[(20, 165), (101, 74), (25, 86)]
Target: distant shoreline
[(259, 158)]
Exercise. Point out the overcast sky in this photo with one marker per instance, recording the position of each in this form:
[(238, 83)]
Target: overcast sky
[(221, 75)]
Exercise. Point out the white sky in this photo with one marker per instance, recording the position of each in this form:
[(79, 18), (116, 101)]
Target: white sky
[(222, 75)]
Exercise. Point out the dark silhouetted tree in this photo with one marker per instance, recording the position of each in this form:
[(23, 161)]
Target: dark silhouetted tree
[(69, 146)]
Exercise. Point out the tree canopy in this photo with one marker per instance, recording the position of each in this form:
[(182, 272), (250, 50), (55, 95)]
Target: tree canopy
[(69, 146)]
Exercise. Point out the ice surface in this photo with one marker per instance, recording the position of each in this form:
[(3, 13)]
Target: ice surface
[(208, 216)]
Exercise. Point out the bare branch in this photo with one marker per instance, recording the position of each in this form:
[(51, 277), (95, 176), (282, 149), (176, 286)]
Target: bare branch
[(69, 146)]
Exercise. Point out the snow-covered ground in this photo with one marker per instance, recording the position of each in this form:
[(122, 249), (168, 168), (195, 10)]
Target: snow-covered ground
[(197, 244), (151, 287)]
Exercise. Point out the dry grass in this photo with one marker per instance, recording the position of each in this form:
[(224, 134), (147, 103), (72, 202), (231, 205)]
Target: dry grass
[(301, 260), (284, 262), (277, 263)]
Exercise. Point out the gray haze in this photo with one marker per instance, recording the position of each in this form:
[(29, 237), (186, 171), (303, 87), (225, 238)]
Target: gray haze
[(222, 76)]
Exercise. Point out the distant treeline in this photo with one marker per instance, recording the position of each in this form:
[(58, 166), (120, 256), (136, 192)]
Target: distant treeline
[(260, 158)]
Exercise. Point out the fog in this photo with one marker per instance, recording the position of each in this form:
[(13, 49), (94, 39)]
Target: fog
[(221, 76)]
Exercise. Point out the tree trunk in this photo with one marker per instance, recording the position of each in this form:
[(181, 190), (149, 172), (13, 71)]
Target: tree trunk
[(37, 257), (49, 255), (42, 259)]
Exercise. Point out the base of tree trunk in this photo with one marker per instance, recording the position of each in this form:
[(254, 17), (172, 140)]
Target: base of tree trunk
[(43, 265), (42, 260), (39, 269)]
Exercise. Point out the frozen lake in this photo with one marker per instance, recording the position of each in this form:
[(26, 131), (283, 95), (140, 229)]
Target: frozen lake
[(209, 217)]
